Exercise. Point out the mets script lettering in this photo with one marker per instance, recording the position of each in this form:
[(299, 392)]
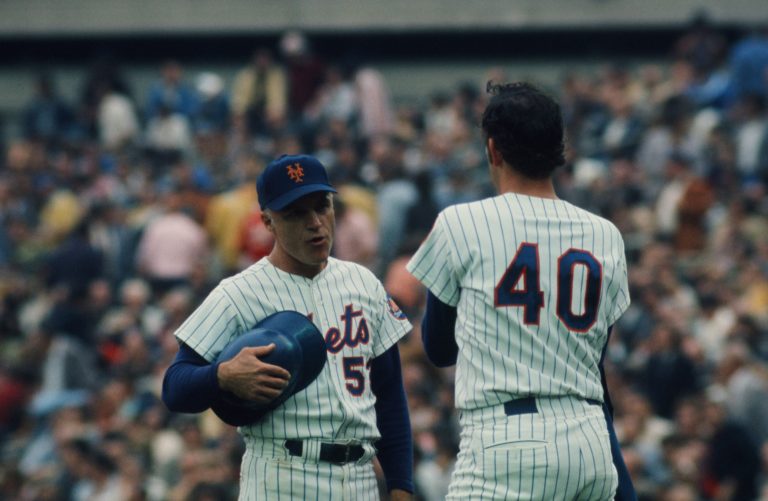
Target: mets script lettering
[(335, 340)]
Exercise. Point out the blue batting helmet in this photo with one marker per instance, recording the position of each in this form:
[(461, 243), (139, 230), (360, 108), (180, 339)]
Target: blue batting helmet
[(299, 349)]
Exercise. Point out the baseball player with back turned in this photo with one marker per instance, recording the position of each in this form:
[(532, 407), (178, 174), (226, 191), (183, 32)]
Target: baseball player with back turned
[(523, 289), (320, 442)]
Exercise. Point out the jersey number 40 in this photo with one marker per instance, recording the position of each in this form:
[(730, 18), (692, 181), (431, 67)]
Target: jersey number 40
[(525, 266)]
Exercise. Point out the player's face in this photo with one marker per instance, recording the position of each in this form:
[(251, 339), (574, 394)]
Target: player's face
[(303, 234)]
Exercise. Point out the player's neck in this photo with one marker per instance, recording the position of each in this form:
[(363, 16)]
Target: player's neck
[(289, 264), (511, 182)]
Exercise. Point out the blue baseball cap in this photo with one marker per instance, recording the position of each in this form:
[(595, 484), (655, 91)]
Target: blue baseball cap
[(289, 178)]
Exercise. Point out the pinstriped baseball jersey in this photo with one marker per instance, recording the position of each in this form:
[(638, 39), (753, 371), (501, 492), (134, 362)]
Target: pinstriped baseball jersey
[(349, 306), (536, 282)]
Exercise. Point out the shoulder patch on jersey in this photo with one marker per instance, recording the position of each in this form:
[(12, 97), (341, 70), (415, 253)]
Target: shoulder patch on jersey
[(394, 309)]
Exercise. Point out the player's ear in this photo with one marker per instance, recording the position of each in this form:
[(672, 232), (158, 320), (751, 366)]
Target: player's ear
[(266, 218), (494, 155)]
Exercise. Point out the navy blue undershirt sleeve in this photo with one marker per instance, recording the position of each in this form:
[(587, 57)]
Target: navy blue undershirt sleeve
[(625, 490), (190, 383), (438, 332), (395, 448)]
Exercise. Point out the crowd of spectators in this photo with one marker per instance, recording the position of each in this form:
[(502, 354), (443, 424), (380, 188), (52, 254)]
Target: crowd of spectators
[(117, 217)]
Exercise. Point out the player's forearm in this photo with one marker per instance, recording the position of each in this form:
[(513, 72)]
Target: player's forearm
[(438, 332), (625, 490), (395, 448), (395, 454), (190, 383)]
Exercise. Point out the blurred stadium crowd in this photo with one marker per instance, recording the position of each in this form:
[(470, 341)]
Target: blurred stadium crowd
[(119, 216)]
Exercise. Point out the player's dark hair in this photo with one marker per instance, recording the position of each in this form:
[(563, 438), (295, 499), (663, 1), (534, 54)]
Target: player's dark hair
[(526, 126)]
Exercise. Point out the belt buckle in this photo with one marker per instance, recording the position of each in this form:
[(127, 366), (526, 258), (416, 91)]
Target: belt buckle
[(347, 444)]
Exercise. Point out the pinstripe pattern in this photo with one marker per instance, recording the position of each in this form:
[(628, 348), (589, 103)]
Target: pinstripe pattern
[(284, 478), (326, 409), (501, 357), (560, 453)]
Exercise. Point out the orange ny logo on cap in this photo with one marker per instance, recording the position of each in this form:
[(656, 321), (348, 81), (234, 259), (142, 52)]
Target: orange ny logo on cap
[(295, 172)]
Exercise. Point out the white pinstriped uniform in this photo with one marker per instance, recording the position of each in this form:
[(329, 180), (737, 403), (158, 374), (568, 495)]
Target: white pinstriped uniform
[(338, 406), (536, 283)]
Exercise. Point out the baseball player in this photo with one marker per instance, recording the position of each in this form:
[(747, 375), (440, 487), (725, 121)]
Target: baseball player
[(522, 291), (319, 443)]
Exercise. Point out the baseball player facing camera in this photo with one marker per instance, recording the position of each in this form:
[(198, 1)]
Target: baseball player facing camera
[(523, 289), (319, 442)]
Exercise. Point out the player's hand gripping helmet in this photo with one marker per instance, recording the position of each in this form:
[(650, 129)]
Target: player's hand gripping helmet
[(299, 349)]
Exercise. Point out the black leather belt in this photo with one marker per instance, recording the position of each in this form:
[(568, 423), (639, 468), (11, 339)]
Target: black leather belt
[(527, 405), (331, 453)]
